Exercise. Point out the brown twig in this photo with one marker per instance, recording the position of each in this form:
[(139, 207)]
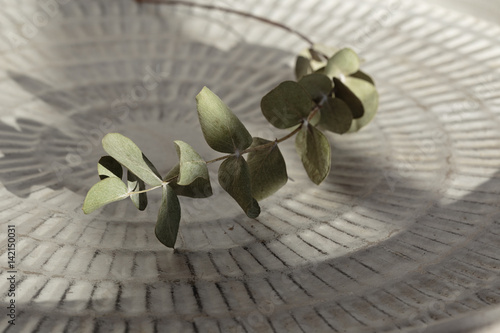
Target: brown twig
[(230, 11)]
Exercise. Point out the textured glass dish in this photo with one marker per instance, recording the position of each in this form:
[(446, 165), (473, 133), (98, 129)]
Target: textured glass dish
[(403, 234)]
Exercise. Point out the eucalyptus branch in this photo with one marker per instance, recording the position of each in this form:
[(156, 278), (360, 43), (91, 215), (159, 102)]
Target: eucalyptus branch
[(313, 113), (218, 159), (344, 100), (263, 146), (230, 11)]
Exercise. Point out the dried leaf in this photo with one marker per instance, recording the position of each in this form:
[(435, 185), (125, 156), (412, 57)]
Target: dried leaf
[(302, 67), (318, 86), (126, 152), (169, 217), (335, 116), (191, 165), (109, 167), (315, 153), (222, 130), (135, 184), (267, 169), (345, 94), (234, 177), (342, 63), (108, 190), (286, 105)]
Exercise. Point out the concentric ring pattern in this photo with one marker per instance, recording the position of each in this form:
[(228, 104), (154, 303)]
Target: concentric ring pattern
[(403, 234)]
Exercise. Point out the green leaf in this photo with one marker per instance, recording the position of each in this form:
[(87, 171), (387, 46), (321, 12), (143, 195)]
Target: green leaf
[(173, 173), (346, 95), (365, 91), (317, 85), (267, 169), (234, 177), (191, 164), (286, 105), (327, 50), (361, 96), (335, 116), (109, 167), (302, 67), (370, 102), (135, 184), (199, 188), (320, 70), (363, 76), (108, 190), (315, 55), (169, 216), (190, 176), (368, 95), (130, 156), (318, 55), (315, 153), (222, 130), (342, 63)]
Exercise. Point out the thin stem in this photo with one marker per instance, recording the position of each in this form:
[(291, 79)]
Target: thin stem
[(147, 190), (286, 137), (218, 159), (272, 143), (261, 147), (313, 113), (231, 11), (275, 142), (165, 182)]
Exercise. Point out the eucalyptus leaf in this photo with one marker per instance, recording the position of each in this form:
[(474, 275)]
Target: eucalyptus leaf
[(126, 152), (335, 116), (302, 67), (327, 50), (370, 102), (345, 94), (317, 85), (108, 190), (191, 165), (135, 184), (315, 55), (222, 130), (286, 105), (365, 91), (342, 63), (109, 167), (320, 70), (363, 76), (368, 95), (199, 188), (169, 217), (234, 178), (267, 169), (318, 55), (173, 174), (315, 153)]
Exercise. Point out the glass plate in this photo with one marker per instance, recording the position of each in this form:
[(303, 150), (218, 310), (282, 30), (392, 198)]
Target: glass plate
[(403, 235)]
